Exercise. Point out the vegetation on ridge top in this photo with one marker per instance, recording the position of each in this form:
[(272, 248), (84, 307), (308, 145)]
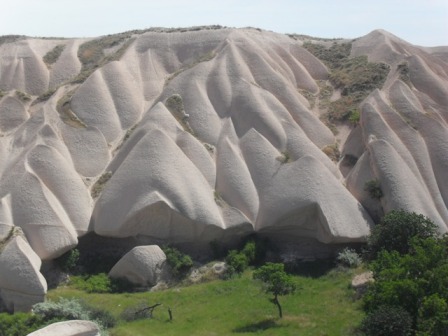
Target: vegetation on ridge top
[(355, 77)]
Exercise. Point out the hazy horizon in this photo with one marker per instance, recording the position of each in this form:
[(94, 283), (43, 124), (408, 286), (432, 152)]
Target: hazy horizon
[(419, 22)]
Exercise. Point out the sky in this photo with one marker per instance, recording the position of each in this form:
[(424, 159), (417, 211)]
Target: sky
[(421, 22)]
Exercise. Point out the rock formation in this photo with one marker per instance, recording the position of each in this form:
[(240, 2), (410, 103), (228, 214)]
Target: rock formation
[(69, 328), (193, 135), (143, 266), (21, 283)]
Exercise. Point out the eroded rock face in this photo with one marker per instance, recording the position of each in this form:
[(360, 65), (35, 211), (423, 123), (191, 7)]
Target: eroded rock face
[(69, 328), (143, 266), (188, 137)]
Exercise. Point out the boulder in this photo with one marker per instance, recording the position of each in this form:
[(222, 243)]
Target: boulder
[(69, 328), (143, 265), (208, 272), (361, 281), (21, 283)]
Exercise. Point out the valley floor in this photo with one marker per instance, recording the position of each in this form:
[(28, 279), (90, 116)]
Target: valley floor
[(323, 305)]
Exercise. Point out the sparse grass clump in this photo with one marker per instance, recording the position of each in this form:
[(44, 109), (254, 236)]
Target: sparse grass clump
[(355, 77), (92, 54), (373, 187), (403, 70), (11, 38), (23, 97), (284, 157), (332, 151), (65, 112), (175, 105), (98, 187), (44, 96), (52, 56), (358, 76), (334, 56), (219, 200)]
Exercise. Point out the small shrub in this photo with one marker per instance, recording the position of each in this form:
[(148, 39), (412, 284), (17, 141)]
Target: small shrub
[(44, 96), (349, 258), (98, 283), (332, 151), (374, 189), (98, 187), (68, 261), (354, 117), (24, 97), (255, 249), (237, 263), (19, 324), (53, 55), (387, 321), (175, 105), (284, 157), (73, 309), (63, 309), (250, 250), (332, 56), (11, 38), (219, 200), (403, 70), (179, 262), (101, 316)]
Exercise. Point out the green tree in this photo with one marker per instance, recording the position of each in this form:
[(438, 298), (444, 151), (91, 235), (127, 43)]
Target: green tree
[(276, 282), (396, 230), (416, 281), (433, 316)]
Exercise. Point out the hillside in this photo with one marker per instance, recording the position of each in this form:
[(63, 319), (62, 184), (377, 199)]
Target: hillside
[(192, 135)]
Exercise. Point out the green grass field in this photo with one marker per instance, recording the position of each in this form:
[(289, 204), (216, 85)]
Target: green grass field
[(323, 305)]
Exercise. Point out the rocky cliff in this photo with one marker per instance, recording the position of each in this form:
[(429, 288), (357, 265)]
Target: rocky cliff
[(193, 135)]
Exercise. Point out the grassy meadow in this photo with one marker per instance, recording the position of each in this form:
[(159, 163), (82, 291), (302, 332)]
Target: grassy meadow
[(323, 305)]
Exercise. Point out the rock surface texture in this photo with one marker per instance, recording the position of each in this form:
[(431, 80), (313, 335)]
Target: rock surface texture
[(69, 328), (143, 266), (192, 135), (21, 283)]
